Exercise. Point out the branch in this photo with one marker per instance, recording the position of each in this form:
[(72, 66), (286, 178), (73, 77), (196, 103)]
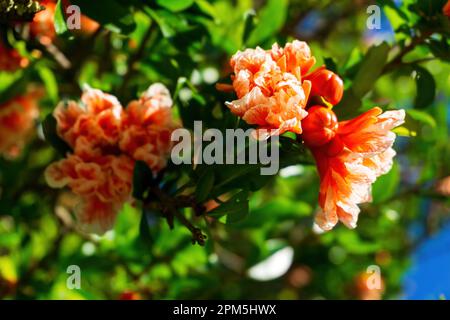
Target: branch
[(170, 206), (398, 60)]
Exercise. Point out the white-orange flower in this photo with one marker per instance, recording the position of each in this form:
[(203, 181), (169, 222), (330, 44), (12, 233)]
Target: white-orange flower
[(147, 127), (106, 141), (92, 127), (269, 86), (350, 160), (18, 118), (103, 185)]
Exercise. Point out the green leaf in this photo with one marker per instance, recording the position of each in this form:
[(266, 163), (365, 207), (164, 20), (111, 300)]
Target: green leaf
[(204, 185), (145, 238), (426, 88), (49, 128), (271, 19), (142, 179), (249, 25), (286, 209), (440, 49), (417, 122), (386, 185), (175, 5), (51, 85), (15, 85), (368, 72), (331, 64), (113, 15), (370, 69), (233, 210), (60, 19)]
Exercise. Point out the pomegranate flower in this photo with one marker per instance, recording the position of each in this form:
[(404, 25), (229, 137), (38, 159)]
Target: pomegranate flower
[(147, 127), (10, 59), (273, 86), (103, 185), (106, 141), (92, 127), (350, 156), (269, 86), (42, 26), (17, 121)]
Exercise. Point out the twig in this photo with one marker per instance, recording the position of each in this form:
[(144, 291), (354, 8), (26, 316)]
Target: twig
[(170, 207)]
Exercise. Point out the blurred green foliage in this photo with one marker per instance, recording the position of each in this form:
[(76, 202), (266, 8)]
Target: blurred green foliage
[(186, 44)]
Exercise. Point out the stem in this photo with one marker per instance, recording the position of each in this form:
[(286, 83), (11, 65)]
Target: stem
[(170, 207)]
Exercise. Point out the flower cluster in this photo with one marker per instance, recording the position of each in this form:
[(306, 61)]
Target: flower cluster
[(18, 118), (275, 88), (10, 59), (106, 140)]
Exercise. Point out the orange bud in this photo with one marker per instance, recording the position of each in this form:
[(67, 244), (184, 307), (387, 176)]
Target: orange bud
[(319, 127), (129, 295), (326, 84), (446, 9)]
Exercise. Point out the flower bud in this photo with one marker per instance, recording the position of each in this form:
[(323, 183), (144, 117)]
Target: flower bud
[(446, 9), (319, 127), (326, 84)]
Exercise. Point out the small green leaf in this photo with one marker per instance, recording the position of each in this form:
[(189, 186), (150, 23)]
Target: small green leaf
[(51, 85), (249, 24), (426, 88), (175, 5), (331, 64), (234, 210), (145, 237), (204, 185), (60, 19)]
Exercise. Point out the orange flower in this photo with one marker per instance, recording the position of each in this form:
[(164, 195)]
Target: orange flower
[(269, 86), (446, 9), (443, 186), (349, 160), (103, 184), (92, 127), (363, 287), (147, 127), (42, 26), (17, 121), (10, 59)]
